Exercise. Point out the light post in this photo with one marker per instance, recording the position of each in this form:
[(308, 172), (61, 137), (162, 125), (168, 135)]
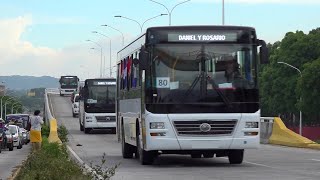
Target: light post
[(109, 46), (101, 55), (170, 11), (222, 12), (300, 123), (5, 104), (153, 18), (116, 30), (140, 25), (1, 103), (14, 105)]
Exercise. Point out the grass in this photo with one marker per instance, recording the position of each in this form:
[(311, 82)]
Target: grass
[(53, 162)]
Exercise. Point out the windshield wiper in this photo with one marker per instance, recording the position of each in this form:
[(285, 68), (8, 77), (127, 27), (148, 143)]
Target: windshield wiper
[(194, 83), (223, 97)]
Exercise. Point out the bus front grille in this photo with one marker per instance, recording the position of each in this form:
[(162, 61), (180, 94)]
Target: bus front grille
[(106, 118), (205, 127)]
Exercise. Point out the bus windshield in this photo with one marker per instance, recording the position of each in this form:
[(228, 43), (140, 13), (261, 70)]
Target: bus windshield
[(101, 99), (69, 82), (203, 73)]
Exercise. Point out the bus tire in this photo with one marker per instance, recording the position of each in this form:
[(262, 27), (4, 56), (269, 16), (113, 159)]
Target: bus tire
[(87, 130), (196, 155), (113, 131), (235, 156), (127, 149), (145, 157), (81, 127), (11, 147)]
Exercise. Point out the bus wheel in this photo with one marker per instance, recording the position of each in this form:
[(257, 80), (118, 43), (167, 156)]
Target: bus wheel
[(235, 156), (81, 127), (87, 130), (145, 157), (127, 149)]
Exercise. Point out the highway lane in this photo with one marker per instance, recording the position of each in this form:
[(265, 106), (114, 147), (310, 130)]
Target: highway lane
[(9, 160), (268, 162)]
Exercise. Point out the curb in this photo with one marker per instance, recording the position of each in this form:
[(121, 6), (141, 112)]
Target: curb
[(87, 168), (17, 169)]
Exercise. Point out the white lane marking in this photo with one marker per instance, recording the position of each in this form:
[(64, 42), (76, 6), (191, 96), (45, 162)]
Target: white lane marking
[(318, 160), (257, 164)]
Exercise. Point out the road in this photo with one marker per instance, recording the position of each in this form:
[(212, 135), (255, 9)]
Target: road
[(9, 160), (268, 162)]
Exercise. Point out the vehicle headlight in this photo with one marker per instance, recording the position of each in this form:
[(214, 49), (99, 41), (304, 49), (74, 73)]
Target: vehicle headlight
[(157, 125), (89, 117), (252, 125)]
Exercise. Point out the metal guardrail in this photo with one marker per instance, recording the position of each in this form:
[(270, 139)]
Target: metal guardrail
[(266, 125)]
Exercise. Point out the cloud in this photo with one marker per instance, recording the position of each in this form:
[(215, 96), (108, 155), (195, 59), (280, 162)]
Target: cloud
[(260, 1), (19, 57)]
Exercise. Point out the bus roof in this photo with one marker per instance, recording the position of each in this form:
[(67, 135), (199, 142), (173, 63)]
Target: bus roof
[(201, 27)]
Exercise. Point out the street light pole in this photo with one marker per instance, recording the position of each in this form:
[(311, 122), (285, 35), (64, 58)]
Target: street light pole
[(170, 11), (116, 30), (100, 56), (130, 20), (2, 104), (141, 25), (300, 123), (222, 12), (109, 47), (152, 18)]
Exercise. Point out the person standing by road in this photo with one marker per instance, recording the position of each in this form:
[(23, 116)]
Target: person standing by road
[(35, 131)]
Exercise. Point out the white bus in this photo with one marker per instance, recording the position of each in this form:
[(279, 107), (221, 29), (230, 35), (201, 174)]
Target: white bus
[(68, 84), (97, 105), (190, 90)]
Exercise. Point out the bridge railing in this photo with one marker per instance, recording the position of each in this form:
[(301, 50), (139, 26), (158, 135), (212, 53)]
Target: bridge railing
[(266, 125)]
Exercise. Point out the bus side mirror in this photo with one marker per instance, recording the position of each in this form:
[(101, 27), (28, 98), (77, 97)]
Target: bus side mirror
[(264, 52), (143, 59)]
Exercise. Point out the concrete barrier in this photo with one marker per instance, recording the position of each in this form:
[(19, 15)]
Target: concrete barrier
[(266, 124), (53, 136), (281, 135)]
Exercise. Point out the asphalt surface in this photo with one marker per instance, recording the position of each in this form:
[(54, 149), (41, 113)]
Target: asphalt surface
[(268, 162), (9, 160)]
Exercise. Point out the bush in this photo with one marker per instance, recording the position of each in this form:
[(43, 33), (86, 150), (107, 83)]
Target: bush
[(45, 130), (63, 133), (51, 162)]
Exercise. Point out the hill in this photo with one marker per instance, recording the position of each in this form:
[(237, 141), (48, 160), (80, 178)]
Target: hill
[(28, 82)]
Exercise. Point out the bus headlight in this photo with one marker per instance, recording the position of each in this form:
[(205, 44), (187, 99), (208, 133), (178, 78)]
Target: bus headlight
[(252, 125), (156, 125)]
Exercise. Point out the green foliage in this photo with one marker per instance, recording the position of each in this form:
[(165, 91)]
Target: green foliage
[(309, 89), (63, 133), (282, 86), (45, 130), (51, 162), (101, 171)]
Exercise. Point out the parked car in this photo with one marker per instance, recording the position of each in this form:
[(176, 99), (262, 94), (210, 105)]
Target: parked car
[(21, 120), (72, 96), (3, 138), (17, 136), (75, 105)]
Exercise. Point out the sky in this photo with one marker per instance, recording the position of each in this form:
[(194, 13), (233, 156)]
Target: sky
[(48, 37)]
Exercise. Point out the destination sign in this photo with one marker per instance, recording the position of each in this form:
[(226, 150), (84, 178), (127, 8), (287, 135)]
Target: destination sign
[(203, 37), (103, 83)]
